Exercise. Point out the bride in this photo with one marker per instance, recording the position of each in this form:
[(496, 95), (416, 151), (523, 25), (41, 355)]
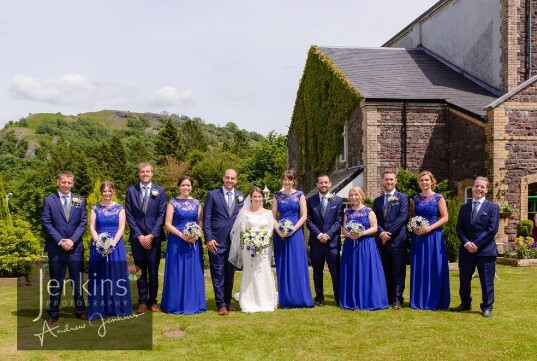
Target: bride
[(251, 250)]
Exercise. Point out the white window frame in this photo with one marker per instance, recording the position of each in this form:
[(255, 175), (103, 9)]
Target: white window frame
[(343, 155)]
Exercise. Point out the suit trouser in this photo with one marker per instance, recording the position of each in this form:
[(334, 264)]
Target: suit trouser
[(58, 265), (319, 254), (486, 267), (394, 264), (222, 275), (148, 260)]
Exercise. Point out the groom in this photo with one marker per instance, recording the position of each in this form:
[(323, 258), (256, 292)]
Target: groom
[(391, 210), (477, 226), (219, 213), (64, 221), (325, 216), (145, 207)]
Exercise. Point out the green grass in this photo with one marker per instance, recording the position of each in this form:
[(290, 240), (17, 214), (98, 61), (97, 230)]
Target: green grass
[(330, 333)]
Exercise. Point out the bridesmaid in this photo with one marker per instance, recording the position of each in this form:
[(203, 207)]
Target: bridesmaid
[(184, 286), (108, 284), (294, 289), (362, 284), (429, 272)]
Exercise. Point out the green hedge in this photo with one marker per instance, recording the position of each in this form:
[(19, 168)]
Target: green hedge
[(19, 248)]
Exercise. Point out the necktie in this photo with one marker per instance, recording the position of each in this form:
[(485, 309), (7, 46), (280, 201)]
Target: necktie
[(474, 210), (386, 203), (323, 205), (229, 200), (65, 203), (146, 198)]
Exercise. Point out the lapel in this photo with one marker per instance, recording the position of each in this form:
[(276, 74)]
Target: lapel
[(481, 210), (223, 201), (138, 196), (320, 205), (59, 205)]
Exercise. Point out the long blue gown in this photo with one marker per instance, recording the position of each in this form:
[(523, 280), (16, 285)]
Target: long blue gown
[(362, 284), (429, 272), (294, 289), (184, 286), (108, 279)]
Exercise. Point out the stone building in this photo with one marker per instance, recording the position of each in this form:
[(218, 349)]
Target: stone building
[(454, 92)]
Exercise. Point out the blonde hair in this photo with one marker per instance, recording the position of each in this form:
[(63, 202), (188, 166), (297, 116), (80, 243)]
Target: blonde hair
[(360, 192), (431, 176)]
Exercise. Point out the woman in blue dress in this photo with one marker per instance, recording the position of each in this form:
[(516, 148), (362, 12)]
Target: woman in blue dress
[(184, 286), (108, 282), (429, 272), (294, 289), (362, 285)]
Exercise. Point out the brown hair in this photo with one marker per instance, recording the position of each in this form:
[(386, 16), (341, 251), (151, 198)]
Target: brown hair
[(145, 164), (389, 172), (289, 174), (66, 173), (256, 189), (183, 178), (433, 179), (107, 184)]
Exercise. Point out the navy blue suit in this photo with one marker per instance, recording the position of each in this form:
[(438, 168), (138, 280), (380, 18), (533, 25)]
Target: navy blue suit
[(330, 224), (482, 233), (218, 220), (141, 224), (393, 253), (57, 226)]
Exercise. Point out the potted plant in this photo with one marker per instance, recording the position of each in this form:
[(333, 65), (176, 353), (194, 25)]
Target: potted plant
[(508, 211)]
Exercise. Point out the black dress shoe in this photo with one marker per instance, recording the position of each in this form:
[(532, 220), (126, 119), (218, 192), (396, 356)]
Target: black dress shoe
[(319, 303), (231, 308), (487, 313), (461, 308), (396, 305)]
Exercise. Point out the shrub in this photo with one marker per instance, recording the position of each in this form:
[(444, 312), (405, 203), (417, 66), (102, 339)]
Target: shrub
[(450, 229), (523, 228), (521, 248), (19, 248)]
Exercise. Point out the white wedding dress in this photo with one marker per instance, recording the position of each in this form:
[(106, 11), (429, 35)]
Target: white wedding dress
[(258, 289)]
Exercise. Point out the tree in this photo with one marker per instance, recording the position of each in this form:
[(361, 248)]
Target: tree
[(169, 143), (193, 136)]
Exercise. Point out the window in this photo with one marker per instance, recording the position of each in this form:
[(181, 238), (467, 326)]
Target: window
[(343, 155), (467, 194)]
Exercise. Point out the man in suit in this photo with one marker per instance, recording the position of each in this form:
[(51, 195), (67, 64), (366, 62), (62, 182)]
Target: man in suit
[(64, 220), (221, 208), (325, 217), (477, 226), (145, 207), (391, 210)]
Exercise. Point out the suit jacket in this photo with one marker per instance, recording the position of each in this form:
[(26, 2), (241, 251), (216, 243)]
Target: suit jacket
[(396, 217), (218, 219), (56, 226), (483, 232), (329, 224), (152, 220)]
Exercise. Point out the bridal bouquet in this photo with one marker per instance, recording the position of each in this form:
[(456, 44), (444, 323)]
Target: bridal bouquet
[(104, 244), (417, 223), (354, 227), (285, 226), (256, 240), (192, 229)]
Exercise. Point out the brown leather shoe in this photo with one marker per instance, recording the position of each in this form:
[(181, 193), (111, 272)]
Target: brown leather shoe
[(51, 320), (222, 311), (154, 308), (142, 308), (82, 317)]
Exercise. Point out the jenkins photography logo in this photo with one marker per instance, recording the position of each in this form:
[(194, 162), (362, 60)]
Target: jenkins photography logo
[(101, 315)]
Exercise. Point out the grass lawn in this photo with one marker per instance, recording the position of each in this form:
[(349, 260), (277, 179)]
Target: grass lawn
[(330, 333)]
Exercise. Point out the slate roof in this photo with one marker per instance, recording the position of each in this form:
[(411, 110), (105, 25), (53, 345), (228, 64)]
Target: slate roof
[(339, 178), (407, 74)]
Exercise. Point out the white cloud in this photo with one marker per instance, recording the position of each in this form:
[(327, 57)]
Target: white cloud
[(169, 96)]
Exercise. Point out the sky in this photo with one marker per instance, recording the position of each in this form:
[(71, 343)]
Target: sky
[(222, 61)]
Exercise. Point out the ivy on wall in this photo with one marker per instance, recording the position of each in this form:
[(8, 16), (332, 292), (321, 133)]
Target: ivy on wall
[(325, 100)]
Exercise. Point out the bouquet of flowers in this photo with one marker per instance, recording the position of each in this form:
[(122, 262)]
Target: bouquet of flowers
[(134, 272), (417, 223), (285, 226), (104, 244), (192, 229), (256, 240), (354, 227)]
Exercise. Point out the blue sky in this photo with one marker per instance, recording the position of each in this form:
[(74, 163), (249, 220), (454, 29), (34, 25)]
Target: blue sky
[(223, 61)]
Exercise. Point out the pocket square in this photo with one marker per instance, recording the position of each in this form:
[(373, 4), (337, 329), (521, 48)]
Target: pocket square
[(484, 213)]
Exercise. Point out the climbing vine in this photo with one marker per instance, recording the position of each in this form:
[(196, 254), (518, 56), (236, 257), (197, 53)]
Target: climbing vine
[(325, 100)]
